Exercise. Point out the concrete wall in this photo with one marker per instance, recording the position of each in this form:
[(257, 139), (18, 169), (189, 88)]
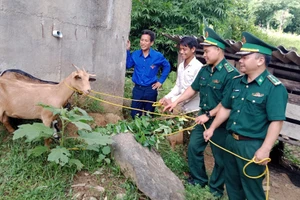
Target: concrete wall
[(94, 36)]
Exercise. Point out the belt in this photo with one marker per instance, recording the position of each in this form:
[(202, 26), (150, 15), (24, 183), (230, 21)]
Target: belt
[(240, 137), (141, 86)]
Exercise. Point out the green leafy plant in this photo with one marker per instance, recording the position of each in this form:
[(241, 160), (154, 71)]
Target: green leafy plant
[(87, 140), (147, 131)]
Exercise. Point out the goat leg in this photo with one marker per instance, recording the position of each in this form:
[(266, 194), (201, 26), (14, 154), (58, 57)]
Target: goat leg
[(5, 121)]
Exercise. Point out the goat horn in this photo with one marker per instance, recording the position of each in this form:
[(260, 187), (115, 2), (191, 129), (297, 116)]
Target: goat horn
[(76, 67), (83, 68)]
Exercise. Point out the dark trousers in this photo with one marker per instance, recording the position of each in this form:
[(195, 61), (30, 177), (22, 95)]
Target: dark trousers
[(143, 93), (238, 186), (196, 149)]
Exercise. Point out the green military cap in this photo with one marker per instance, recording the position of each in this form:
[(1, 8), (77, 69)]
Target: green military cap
[(212, 38), (252, 44)]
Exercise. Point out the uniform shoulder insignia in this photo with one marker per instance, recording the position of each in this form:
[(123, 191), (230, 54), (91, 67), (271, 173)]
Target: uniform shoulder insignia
[(238, 76), (274, 80), (228, 67)]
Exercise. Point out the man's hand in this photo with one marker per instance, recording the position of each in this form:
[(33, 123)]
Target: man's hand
[(208, 133), (261, 154), (128, 45), (164, 101), (202, 119), (156, 85), (171, 106)]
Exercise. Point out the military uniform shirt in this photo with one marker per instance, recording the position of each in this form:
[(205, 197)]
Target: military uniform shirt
[(254, 105), (213, 84)]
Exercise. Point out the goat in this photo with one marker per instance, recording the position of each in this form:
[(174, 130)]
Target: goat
[(24, 76), (20, 99)]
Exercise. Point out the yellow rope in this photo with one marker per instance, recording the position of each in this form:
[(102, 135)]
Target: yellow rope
[(189, 128), (118, 97)]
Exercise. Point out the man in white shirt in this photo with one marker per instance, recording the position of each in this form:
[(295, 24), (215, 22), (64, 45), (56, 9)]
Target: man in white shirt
[(186, 74)]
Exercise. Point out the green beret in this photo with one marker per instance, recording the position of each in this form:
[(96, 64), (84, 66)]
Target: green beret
[(252, 44), (212, 38)]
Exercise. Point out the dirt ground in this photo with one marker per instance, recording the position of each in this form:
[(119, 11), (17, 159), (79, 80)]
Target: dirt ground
[(284, 184)]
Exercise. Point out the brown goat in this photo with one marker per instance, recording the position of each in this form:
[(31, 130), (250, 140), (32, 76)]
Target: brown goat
[(20, 99)]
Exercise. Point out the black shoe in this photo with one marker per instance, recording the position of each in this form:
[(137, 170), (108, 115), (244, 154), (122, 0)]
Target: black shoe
[(191, 181)]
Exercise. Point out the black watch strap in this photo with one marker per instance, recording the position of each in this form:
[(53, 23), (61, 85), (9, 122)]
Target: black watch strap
[(208, 114)]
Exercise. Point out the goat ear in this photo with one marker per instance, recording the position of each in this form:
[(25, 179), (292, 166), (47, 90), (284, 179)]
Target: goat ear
[(75, 67), (77, 77), (92, 79)]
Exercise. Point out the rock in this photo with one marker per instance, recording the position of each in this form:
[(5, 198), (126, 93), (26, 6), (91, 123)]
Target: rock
[(275, 185), (266, 188), (112, 118), (99, 188), (99, 119), (146, 168), (79, 185), (103, 119), (120, 196), (77, 196), (98, 172), (89, 198)]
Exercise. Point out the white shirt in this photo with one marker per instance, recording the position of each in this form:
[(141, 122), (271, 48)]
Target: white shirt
[(185, 78)]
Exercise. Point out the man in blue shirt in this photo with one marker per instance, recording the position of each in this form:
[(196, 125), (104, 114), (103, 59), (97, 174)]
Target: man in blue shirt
[(146, 63)]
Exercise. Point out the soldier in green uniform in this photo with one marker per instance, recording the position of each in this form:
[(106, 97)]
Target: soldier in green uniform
[(255, 105), (212, 82)]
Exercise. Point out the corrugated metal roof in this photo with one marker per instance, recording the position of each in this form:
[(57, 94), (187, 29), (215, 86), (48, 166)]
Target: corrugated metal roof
[(289, 58)]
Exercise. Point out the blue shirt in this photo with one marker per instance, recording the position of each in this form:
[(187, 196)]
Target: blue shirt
[(146, 69)]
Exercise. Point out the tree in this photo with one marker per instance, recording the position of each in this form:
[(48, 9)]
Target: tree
[(180, 17), (277, 14), (294, 25)]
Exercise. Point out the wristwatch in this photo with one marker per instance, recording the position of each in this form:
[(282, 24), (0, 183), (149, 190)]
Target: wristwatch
[(208, 114)]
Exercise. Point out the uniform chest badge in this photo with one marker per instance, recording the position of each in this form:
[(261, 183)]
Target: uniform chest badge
[(257, 94), (216, 81)]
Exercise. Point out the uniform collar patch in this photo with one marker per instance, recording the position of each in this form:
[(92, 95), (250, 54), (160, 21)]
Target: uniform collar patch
[(260, 80), (219, 66)]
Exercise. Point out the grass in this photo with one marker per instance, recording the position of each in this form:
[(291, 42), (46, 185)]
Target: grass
[(292, 153), (30, 178), (23, 177), (176, 161), (288, 40)]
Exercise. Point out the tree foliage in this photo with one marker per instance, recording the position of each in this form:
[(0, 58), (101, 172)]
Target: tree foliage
[(277, 14), (229, 18), (181, 17)]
